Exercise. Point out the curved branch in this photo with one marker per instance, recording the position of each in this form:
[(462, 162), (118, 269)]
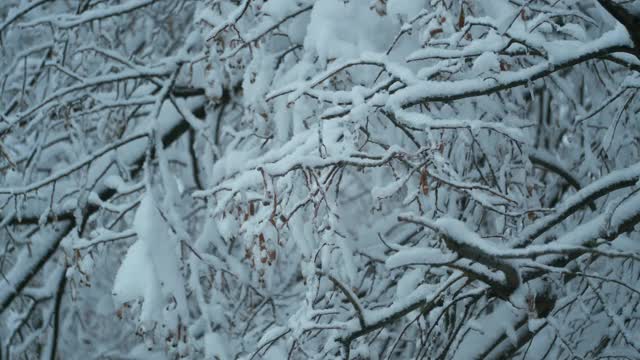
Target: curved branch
[(351, 297), (613, 181), (628, 20), (541, 159), (432, 91)]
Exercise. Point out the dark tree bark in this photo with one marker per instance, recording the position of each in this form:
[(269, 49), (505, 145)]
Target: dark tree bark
[(629, 21)]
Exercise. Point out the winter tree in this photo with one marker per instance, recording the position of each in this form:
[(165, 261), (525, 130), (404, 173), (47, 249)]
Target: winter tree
[(350, 179)]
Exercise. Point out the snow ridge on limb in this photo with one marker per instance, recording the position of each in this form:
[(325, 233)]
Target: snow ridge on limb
[(611, 42), (469, 245), (627, 19), (613, 181)]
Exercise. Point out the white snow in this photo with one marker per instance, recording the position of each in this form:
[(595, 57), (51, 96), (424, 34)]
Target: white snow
[(150, 269), (487, 62)]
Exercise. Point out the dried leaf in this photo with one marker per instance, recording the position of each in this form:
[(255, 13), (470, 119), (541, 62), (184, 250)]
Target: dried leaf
[(424, 182)]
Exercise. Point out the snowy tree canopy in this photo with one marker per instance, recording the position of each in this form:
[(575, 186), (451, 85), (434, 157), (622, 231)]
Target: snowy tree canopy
[(319, 179)]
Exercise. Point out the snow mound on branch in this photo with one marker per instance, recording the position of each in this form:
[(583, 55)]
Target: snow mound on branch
[(133, 275), (486, 62), (150, 270), (346, 30)]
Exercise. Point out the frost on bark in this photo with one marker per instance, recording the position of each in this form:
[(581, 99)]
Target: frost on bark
[(384, 179)]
